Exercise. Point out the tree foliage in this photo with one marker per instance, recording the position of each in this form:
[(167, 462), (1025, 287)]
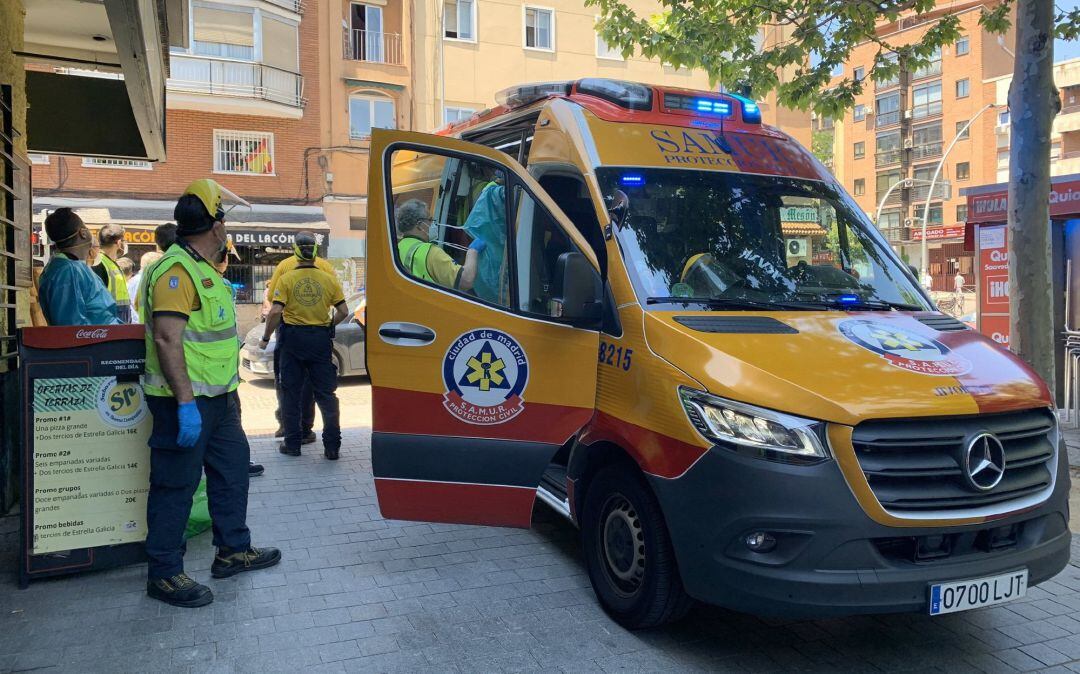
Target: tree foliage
[(724, 39)]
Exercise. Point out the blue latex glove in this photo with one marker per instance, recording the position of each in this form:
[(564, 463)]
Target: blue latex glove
[(190, 422), (478, 245)]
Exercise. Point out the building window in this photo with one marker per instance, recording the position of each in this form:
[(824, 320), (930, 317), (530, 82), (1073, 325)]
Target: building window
[(963, 46), (860, 150), (247, 152), (1055, 151), (889, 225), (888, 148), (540, 28), (39, 159), (963, 170), (358, 224), (961, 213), (860, 187), (963, 133), (459, 19), (933, 67), (927, 100), (859, 73), (887, 109), (452, 115), (606, 51), (1003, 118), (107, 162), (963, 88), (370, 112), (926, 141), (860, 112), (223, 32)]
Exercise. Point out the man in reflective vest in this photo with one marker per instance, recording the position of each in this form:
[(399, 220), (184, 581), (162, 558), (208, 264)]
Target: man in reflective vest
[(303, 299), (111, 238), (423, 258), (192, 355)]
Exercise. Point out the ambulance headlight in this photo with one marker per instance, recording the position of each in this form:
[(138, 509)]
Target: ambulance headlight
[(754, 431)]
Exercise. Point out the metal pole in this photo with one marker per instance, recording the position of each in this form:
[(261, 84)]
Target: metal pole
[(881, 204), (933, 182)]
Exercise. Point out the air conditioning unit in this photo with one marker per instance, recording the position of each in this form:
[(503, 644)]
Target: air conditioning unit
[(907, 113), (908, 143), (908, 222), (798, 247)]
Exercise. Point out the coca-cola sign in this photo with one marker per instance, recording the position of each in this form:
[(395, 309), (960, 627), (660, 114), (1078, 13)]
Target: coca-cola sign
[(96, 333)]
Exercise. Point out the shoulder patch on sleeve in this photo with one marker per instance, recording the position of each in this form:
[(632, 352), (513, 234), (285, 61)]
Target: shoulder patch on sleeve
[(174, 282)]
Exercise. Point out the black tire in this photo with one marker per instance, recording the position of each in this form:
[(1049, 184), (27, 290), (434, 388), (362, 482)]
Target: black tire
[(628, 551)]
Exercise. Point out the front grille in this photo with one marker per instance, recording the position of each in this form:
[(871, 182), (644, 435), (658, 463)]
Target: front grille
[(914, 465)]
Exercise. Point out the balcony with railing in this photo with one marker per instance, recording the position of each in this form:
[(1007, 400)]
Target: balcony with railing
[(373, 47), (895, 197), (886, 157), (933, 68), (926, 151), (883, 119), (237, 79), (929, 109)]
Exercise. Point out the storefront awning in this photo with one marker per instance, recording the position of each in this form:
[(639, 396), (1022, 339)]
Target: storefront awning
[(262, 225)]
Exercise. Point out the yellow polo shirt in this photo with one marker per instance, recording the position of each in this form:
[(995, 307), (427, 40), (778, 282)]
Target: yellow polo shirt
[(307, 295), (288, 264)]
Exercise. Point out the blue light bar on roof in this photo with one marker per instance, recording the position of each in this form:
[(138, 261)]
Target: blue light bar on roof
[(751, 113), (848, 299), (632, 180), (716, 107)]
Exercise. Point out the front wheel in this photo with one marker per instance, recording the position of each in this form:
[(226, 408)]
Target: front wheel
[(628, 551)]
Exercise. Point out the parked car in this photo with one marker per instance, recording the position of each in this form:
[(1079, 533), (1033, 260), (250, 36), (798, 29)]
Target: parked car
[(256, 363)]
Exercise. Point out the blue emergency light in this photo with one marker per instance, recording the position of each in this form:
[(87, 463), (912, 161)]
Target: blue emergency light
[(751, 113), (631, 180), (849, 299)]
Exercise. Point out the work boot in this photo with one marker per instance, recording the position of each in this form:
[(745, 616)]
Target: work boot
[(254, 469), (284, 449), (308, 438), (179, 590), (332, 454), (279, 433), (231, 562)]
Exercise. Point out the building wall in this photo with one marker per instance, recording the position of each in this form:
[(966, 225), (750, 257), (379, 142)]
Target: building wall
[(190, 146), (985, 60)]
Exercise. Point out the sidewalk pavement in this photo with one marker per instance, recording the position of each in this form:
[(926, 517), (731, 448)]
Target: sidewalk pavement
[(359, 593)]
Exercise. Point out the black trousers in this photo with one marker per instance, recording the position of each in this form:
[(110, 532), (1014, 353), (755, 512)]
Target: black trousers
[(307, 396), (222, 451), (307, 355)]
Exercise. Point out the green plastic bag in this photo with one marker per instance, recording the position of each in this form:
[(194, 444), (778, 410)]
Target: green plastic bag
[(199, 520)]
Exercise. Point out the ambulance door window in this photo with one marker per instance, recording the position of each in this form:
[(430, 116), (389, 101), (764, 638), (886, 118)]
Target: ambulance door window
[(442, 206), (539, 243)]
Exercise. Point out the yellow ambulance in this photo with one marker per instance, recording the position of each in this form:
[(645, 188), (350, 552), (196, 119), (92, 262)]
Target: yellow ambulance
[(642, 307)]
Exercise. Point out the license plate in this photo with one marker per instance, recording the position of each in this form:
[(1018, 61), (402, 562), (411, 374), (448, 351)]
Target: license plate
[(962, 595)]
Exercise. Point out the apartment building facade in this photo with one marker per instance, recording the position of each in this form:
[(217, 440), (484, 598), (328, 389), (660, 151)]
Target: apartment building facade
[(887, 149), (243, 107), (422, 65)]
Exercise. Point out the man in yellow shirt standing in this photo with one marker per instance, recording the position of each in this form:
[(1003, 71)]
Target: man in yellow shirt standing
[(307, 397), (302, 301)]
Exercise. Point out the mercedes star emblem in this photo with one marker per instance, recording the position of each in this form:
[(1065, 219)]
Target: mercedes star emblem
[(984, 462)]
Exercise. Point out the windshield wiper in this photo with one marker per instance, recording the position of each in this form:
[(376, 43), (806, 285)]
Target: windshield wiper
[(732, 303)]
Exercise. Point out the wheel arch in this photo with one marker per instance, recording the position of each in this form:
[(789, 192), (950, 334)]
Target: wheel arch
[(586, 460)]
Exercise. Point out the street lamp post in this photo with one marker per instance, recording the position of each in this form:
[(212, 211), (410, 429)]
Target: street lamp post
[(906, 182), (933, 181)]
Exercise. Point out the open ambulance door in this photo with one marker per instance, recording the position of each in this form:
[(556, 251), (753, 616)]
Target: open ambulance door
[(475, 383)]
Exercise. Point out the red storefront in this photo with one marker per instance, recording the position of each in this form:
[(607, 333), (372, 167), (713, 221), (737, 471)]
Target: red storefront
[(987, 237)]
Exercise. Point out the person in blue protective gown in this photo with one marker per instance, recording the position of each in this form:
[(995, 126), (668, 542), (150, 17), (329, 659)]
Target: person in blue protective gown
[(487, 223), (70, 292)]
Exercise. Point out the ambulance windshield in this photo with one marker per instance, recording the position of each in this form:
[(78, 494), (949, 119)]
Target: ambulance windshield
[(734, 241)]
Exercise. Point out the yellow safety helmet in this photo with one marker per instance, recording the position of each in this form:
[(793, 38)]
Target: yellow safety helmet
[(689, 264), (212, 195)]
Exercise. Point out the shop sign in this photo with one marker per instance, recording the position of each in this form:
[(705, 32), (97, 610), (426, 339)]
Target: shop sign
[(267, 238), (799, 214), (939, 232), (994, 206), (994, 283)]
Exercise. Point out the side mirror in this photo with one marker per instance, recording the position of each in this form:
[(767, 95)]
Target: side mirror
[(582, 290)]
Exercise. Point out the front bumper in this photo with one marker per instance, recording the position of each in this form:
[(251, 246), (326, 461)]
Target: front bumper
[(256, 364), (830, 557)]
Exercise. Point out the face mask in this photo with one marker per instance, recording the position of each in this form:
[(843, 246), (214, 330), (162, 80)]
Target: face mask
[(433, 231), (223, 247)]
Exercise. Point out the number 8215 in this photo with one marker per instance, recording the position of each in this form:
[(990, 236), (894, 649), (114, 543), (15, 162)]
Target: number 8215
[(615, 356)]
